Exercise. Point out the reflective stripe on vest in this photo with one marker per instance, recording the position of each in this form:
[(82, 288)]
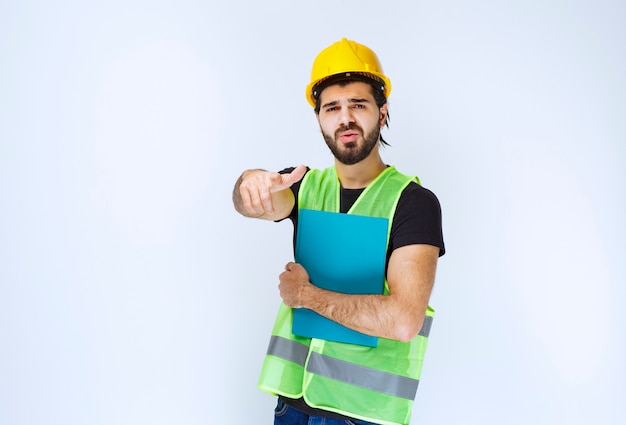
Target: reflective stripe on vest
[(349, 373), (288, 350), (361, 376), (428, 323)]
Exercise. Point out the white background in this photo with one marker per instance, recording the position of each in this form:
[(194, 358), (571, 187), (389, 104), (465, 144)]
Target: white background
[(132, 293)]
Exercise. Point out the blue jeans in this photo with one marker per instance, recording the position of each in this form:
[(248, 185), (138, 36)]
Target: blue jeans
[(287, 415)]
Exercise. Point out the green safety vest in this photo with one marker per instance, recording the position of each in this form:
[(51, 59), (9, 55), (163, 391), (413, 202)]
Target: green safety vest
[(375, 384)]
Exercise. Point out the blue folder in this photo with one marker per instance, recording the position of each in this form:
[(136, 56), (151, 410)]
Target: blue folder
[(342, 253)]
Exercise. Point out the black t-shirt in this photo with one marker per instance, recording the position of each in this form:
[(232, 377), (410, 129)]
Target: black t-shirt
[(417, 220)]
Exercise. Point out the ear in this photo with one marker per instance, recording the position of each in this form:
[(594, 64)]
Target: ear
[(382, 119)]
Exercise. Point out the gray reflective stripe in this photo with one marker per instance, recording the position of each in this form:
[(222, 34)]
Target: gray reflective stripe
[(361, 376), (428, 322), (287, 349)]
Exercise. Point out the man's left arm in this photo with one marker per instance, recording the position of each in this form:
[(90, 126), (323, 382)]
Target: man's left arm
[(399, 315)]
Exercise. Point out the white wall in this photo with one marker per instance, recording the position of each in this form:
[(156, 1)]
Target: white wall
[(131, 292)]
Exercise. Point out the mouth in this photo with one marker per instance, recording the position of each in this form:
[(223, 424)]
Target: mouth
[(348, 136)]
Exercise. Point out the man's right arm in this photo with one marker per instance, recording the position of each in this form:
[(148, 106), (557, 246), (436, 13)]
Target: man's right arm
[(265, 194)]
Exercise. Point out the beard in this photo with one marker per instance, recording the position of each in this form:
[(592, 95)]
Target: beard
[(351, 153)]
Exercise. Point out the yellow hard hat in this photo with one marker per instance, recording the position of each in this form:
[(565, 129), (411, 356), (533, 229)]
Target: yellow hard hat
[(348, 59)]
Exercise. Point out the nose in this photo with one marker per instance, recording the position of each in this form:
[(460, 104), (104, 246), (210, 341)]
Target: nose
[(346, 117)]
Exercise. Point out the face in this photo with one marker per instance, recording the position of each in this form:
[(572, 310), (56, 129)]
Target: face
[(350, 121)]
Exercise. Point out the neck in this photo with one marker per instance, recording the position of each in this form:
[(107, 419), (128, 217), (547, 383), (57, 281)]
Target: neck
[(359, 175)]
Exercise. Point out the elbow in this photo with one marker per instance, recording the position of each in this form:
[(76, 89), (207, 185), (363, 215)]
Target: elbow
[(408, 329), (405, 332)]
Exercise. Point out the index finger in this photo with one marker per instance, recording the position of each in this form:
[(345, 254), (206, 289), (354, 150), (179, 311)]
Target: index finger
[(295, 176)]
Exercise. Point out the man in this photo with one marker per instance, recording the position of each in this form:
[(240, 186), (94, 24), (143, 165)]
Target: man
[(321, 381)]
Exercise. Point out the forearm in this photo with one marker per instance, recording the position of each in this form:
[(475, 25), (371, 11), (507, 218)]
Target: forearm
[(399, 315), (378, 315)]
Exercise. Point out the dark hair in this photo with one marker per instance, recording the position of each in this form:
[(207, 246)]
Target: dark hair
[(377, 92)]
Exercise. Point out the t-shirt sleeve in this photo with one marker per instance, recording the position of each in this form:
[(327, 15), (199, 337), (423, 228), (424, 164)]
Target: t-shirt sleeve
[(417, 219)]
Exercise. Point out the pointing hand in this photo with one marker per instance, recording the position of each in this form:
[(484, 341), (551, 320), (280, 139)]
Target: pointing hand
[(257, 186)]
